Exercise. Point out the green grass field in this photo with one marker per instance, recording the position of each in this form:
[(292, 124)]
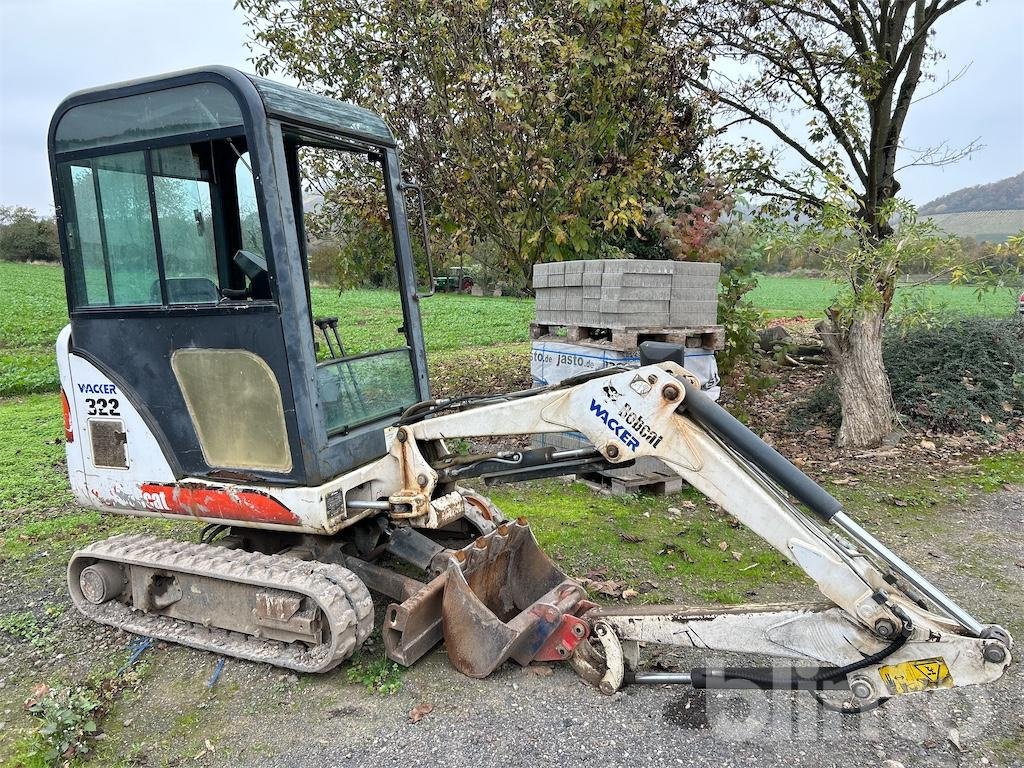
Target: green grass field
[(33, 310), (809, 296)]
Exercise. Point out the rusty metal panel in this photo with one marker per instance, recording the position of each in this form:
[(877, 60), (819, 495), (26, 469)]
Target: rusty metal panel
[(108, 443)]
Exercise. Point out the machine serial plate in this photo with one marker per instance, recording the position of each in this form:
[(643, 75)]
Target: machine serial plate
[(917, 675)]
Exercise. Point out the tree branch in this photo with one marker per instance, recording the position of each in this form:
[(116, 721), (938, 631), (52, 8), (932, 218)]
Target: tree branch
[(760, 119)]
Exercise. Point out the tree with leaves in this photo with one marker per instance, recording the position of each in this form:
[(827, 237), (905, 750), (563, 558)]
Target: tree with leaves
[(540, 128), (830, 83), (27, 236)]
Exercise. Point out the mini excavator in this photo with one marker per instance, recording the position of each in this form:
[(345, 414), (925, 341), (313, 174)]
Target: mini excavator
[(193, 387)]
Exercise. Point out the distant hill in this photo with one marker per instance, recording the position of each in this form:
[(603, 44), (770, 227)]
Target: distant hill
[(982, 226), (1004, 195)]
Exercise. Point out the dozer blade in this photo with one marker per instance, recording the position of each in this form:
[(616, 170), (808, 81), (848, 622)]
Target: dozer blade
[(500, 598)]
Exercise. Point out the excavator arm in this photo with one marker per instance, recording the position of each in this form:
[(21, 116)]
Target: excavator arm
[(882, 628)]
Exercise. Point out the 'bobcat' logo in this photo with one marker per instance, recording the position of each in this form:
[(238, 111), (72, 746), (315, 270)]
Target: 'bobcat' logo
[(640, 385)]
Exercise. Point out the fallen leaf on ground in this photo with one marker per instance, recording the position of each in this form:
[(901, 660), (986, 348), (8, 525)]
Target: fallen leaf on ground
[(723, 546), (420, 711), (632, 538), (38, 694), (609, 588), (629, 594)]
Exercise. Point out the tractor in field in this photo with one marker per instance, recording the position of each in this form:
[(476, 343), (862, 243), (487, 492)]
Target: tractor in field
[(457, 280)]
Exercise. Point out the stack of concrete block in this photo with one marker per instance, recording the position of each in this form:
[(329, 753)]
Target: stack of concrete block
[(627, 293)]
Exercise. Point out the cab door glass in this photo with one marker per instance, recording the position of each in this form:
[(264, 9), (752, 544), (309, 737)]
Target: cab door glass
[(248, 209), (365, 370), (185, 218), (350, 250)]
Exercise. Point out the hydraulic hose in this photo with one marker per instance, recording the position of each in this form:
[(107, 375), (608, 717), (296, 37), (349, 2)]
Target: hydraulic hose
[(799, 678)]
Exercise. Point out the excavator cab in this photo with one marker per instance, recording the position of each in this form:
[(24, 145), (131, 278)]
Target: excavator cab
[(180, 204)]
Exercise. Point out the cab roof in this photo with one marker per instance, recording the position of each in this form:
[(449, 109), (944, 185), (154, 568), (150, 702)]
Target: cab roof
[(133, 109)]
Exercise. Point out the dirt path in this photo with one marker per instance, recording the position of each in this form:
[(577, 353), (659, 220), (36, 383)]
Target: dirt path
[(256, 715)]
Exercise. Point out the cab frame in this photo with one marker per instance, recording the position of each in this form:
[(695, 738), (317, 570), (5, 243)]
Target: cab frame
[(133, 345)]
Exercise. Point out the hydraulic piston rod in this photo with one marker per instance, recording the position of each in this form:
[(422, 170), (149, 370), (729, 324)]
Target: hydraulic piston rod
[(843, 522), (663, 678), (776, 467)]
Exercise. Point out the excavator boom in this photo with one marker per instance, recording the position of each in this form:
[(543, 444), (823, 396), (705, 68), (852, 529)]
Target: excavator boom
[(880, 617)]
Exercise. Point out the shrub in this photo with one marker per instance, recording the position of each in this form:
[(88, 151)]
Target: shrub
[(26, 236), (965, 375)]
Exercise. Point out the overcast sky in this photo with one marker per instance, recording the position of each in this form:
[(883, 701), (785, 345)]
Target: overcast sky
[(49, 48)]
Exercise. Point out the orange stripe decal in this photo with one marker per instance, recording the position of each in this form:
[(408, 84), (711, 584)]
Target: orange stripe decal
[(251, 506)]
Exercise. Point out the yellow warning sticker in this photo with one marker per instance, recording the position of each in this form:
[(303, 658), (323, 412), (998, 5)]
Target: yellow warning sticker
[(914, 676)]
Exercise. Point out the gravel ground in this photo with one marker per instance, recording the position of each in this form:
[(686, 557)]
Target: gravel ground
[(256, 715)]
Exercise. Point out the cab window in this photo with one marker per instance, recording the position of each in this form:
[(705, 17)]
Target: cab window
[(110, 234), (248, 208), (184, 214), (161, 226), (364, 370)]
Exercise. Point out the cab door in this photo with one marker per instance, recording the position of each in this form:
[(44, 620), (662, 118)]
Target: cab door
[(160, 307)]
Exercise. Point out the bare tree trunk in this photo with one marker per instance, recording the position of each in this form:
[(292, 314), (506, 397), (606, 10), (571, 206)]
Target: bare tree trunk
[(864, 391)]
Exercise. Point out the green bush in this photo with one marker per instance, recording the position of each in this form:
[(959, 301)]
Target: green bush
[(966, 375), (27, 236)]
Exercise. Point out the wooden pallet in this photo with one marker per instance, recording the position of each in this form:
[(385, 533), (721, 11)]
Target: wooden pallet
[(656, 483), (628, 339)]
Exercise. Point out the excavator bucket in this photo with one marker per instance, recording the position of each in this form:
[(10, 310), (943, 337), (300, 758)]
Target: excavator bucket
[(500, 598)]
